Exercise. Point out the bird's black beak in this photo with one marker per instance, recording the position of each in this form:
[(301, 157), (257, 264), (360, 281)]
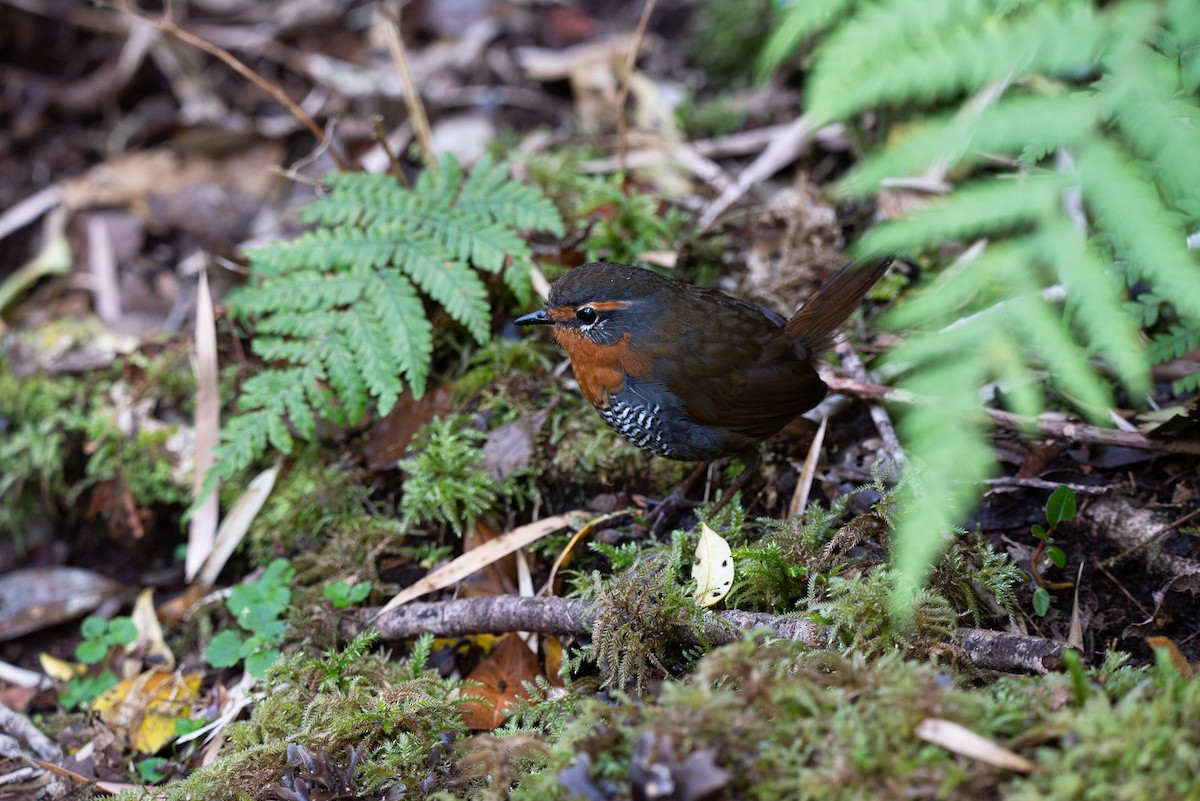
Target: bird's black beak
[(538, 317)]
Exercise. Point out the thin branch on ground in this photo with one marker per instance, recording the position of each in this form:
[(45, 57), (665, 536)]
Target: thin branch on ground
[(627, 79), (1053, 425), (168, 26), (990, 650), (416, 109), (853, 364)]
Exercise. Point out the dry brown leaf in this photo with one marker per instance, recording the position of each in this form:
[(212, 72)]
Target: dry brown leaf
[(1177, 658), (388, 439), (150, 647), (500, 680), (236, 524)]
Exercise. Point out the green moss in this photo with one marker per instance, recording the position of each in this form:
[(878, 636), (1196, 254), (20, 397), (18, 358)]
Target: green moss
[(507, 368), (780, 723), (44, 422), (857, 610), (397, 716), (312, 502), (784, 724), (637, 613), (447, 482), (1143, 744), (64, 434)]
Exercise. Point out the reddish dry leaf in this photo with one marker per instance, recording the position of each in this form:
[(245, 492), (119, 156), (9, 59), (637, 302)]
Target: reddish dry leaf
[(567, 26), (388, 440), (1173, 652), (178, 609), (114, 502), (500, 680)]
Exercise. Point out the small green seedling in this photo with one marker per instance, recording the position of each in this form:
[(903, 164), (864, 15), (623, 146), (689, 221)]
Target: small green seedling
[(150, 769), (100, 638), (344, 594), (258, 608), (1060, 507)]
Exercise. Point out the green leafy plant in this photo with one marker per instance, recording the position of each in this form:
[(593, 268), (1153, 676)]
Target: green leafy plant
[(1075, 128), (1060, 507), (258, 607), (100, 636), (339, 312), (150, 769), (100, 639), (343, 594)]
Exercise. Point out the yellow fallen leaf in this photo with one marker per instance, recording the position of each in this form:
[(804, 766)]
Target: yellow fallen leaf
[(713, 570), (60, 669), (150, 642), (144, 709)]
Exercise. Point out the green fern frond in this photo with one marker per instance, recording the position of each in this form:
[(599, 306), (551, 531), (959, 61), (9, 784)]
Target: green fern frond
[(1095, 308), (1128, 208), (799, 22), (1032, 125), (948, 47), (1091, 104), (489, 192), (1173, 344), (979, 209), (339, 312)]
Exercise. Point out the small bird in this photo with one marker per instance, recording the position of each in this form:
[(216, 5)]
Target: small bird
[(691, 373)]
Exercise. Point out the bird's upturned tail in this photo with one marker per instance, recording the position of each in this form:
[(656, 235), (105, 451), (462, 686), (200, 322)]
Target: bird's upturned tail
[(820, 318)]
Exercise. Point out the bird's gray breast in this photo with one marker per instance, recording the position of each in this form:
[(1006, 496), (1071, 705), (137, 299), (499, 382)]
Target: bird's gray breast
[(651, 417), (639, 421)]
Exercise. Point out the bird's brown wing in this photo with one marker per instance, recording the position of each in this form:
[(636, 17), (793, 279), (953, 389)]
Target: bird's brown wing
[(738, 369)]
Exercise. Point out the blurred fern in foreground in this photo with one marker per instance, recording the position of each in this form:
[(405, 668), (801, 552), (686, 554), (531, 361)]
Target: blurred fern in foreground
[(340, 313), (1074, 130)]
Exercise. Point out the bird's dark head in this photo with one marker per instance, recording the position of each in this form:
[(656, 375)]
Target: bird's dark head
[(603, 302)]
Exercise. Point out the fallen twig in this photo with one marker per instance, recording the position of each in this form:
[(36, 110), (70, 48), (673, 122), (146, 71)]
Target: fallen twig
[(883, 423), (627, 79), (167, 25), (1050, 425), (990, 650)]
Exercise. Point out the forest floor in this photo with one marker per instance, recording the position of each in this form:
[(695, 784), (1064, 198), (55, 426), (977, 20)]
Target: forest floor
[(132, 160)]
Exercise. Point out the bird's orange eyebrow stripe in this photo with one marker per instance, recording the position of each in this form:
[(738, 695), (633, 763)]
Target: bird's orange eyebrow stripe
[(565, 313), (609, 305)]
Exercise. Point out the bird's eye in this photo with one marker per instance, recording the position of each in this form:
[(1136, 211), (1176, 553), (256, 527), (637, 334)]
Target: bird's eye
[(586, 315)]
